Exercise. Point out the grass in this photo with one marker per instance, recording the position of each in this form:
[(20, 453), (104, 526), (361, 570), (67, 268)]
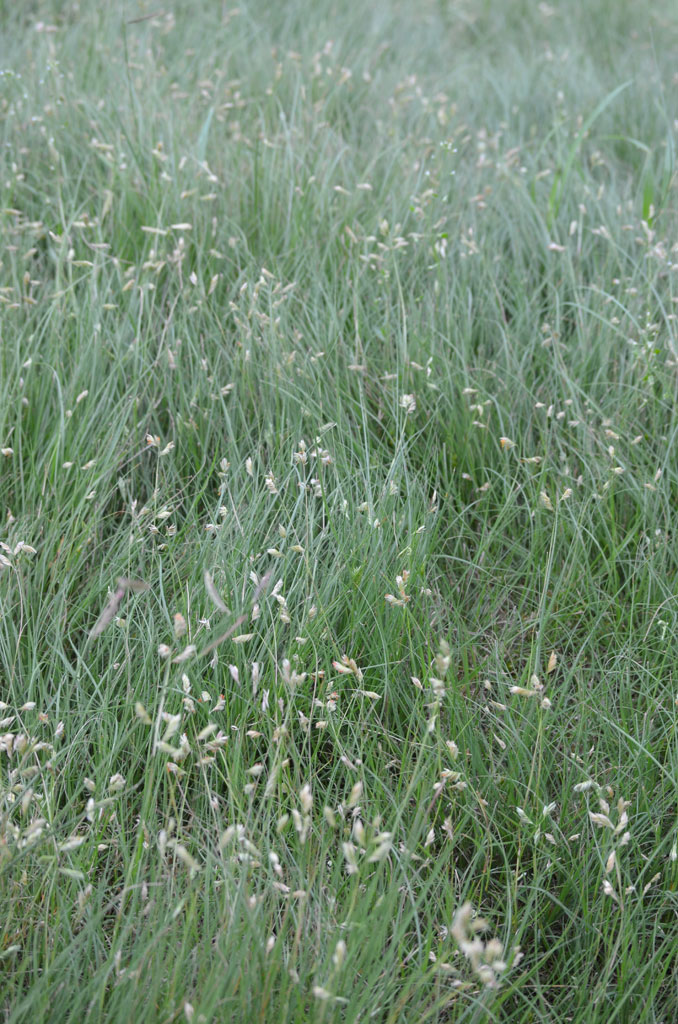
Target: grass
[(369, 314)]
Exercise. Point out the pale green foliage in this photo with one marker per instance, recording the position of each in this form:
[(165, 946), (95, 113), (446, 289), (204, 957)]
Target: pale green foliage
[(338, 390)]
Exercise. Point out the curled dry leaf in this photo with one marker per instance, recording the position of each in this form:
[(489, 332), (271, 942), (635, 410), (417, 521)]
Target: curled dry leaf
[(111, 610), (214, 594)]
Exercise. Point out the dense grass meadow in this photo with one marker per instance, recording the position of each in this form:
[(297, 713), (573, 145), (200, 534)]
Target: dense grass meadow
[(338, 490)]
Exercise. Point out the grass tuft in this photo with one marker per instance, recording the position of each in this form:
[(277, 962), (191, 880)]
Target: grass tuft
[(338, 419)]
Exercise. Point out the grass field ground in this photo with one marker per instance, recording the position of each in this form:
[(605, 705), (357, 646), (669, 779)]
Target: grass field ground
[(344, 336)]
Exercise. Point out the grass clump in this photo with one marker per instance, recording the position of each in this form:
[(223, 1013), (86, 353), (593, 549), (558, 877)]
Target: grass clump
[(338, 420)]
